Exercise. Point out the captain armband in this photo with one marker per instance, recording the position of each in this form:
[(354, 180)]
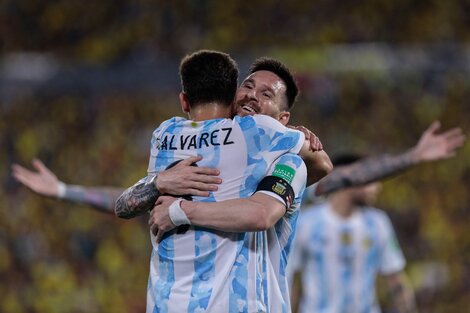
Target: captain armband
[(279, 187)]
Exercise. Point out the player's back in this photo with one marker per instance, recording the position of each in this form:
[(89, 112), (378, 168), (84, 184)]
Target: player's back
[(199, 268)]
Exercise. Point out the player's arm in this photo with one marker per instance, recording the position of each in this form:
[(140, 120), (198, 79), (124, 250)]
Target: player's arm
[(259, 212), (44, 182), (182, 179), (316, 160), (430, 147), (296, 291), (401, 292), (318, 164), (273, 198)]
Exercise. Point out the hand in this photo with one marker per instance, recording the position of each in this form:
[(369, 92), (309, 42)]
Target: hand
[(159, 220), (433, 146), (315, 143), (43, 182), (184, 179)]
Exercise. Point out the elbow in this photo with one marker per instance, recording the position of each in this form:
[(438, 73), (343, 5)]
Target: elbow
[(323, 169), (264, 219), (326, 167)]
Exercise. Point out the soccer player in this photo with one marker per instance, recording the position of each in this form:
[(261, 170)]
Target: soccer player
[(184, 179), (217, 269), (341, 247)]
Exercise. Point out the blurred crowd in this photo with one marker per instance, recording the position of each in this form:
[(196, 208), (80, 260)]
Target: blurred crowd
[(59, 257), (104, 31)]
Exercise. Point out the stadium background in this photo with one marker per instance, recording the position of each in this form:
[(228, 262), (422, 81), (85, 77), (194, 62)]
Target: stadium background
[(83, 84)]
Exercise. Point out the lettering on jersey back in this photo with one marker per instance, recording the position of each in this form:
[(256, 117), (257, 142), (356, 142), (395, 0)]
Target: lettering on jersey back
[(215, 137)]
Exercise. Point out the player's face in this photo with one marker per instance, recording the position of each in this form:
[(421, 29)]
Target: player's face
[(262, 92), (367, 195)]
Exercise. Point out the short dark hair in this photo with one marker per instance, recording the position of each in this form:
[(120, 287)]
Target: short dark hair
[(345, 159), (278, 68), (208, 76)]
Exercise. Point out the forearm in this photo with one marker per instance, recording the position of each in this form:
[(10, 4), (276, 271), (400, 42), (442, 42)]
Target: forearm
[(318, 165), (296, 293), (136, 200), (252, 214), (366, 171), (101, 199), (402, 294)]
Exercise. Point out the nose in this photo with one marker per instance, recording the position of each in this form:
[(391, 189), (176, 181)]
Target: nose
[(251, 94)]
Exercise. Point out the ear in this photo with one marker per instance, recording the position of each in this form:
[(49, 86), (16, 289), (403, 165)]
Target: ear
[(284, 117), (184, 103)]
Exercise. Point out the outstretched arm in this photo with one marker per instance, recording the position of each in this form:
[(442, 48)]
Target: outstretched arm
[(44, 182), (182, 179), (431, 147)]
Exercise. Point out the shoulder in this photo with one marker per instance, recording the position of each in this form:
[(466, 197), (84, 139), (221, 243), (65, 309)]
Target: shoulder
[(169, 122), (258, 120), (380, 217), (374, 212), (292, 160)]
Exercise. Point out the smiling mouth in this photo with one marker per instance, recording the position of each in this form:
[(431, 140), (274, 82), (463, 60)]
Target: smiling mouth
[(249, 109)]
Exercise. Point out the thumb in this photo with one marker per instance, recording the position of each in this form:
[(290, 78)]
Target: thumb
[(433, 127), (41, 167), (191, 160)]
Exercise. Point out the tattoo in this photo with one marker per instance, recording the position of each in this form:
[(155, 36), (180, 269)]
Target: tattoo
[(102, 199), (364, 172), (136, 200)]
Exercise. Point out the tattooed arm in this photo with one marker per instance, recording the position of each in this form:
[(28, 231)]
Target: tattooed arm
[(137, 199), (182, 179), (99, 198), (431, 147), (401, 292), (364, 171), (44, 182)]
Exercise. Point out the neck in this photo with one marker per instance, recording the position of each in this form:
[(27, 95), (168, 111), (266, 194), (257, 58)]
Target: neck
[(209, 111), (341, 205)]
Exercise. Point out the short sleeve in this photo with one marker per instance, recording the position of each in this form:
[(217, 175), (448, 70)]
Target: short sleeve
[(283, 138), (292, 169), (392, 259)]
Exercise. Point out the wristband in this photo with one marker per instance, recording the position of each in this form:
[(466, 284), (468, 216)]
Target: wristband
[(61, 188), (177, 215)]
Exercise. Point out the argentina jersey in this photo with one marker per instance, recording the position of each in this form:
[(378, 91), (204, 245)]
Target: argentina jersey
[(274, 245), (204, 270), (339, 258)]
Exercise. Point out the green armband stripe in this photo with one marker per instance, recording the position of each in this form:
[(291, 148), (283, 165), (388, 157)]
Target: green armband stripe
[(285, 172)]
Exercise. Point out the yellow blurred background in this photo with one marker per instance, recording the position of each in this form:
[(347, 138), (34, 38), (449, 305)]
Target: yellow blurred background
[(83, 85)]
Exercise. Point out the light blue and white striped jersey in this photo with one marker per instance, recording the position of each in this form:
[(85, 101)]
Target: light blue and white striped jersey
[(203, 270), (340, 258)]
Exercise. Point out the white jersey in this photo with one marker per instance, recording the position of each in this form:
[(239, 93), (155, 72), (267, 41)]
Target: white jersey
[(340, 259), (204, 270)]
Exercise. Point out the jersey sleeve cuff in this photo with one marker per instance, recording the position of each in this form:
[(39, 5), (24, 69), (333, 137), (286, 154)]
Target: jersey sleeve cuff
[(296, 149)]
